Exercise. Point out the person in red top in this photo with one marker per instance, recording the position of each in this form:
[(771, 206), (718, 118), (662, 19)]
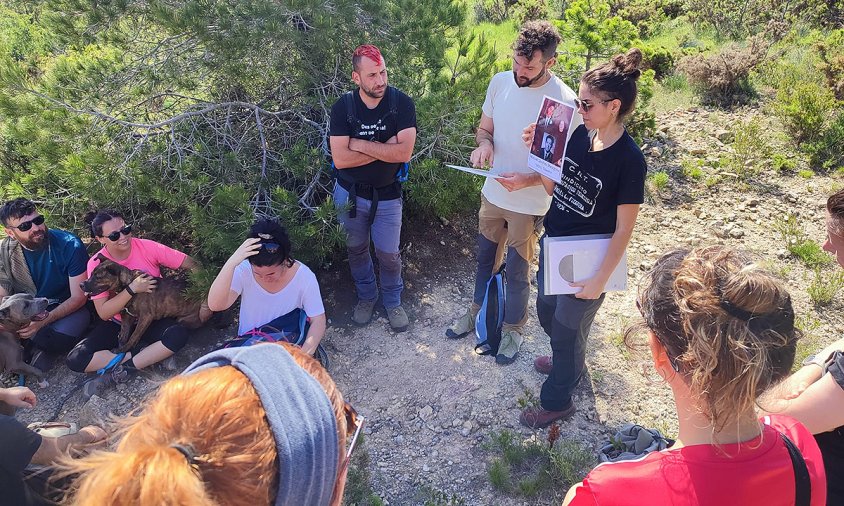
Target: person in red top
[(720, 332)]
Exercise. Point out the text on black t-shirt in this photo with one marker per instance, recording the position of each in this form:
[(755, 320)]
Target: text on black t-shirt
[(594, 184), (377, 125)]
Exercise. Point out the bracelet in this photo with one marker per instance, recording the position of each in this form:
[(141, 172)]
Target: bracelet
[(130, 291)]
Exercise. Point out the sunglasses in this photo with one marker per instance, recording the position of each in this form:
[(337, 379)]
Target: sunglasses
[(353, 419), (26, 225), (582, 104), (271, 247), (114, 236)]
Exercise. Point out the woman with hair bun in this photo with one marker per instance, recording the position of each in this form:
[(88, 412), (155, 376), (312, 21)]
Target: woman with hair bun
[(162, 339), (603, 185), (274, 289), (720, 332), (259, 425)]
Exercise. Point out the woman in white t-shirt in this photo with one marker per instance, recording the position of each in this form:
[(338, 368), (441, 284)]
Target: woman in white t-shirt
[(270, 282)]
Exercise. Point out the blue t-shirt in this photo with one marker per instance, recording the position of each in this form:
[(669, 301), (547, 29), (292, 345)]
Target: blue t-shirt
[(50, 267)]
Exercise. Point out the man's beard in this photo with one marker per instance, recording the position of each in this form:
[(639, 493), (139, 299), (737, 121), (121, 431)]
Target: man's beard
[(372, 94), (35, 242), (529, 81)]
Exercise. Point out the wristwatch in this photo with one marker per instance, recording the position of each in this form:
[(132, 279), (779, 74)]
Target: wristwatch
[(823, 364)]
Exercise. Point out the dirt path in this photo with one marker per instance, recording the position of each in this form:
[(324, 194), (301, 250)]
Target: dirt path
[(432, 404)]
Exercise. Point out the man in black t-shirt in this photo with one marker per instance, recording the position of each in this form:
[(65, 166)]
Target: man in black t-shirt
[(372, 134)]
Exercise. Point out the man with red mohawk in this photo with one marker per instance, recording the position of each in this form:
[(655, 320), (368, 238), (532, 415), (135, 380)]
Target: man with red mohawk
[(372, 134)]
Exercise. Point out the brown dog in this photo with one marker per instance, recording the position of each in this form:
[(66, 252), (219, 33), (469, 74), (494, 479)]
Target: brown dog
[(167, 300), (16, 312)]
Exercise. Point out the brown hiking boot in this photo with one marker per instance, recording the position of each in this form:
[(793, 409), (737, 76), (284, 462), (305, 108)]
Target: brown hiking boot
[(363, 311), (543, 364), (537, 418), (398, 319)]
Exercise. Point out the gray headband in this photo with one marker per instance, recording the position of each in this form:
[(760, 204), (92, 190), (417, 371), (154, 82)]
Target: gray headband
[(300, 415)]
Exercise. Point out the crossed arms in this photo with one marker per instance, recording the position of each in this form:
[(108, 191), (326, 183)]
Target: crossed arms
[(347, 152)]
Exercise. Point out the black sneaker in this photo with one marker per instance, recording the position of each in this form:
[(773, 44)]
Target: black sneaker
[(117, 374)]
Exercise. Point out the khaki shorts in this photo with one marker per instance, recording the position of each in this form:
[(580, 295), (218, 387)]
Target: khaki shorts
[(509, 229)]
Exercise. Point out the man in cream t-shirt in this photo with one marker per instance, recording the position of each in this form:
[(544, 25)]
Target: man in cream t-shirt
[(512, 207)]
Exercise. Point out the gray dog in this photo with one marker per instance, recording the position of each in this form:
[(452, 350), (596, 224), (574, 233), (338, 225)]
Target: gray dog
[(16, 312)]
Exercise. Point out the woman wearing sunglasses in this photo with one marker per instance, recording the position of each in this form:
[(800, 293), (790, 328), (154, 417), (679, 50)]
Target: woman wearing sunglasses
[(260, 425), (274, 289), (603, 185), (161, 340), (720, 331)]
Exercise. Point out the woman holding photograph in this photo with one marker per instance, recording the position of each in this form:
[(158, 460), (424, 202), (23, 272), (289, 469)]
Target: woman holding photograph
[(603, 185)]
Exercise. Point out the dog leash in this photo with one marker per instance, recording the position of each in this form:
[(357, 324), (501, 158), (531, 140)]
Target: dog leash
[(112, 363), (85, 379)]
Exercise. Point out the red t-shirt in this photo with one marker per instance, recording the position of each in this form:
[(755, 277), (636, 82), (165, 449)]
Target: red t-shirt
[(756, 472)]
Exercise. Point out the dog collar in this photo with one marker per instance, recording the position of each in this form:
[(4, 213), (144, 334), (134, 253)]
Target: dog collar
[(300, 416)]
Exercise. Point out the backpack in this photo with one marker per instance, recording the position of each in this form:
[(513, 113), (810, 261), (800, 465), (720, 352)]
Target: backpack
[(490, 318), (392, 101), (291, 327)]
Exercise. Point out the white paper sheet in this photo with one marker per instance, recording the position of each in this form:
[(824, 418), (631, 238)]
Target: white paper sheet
[(477, 172)]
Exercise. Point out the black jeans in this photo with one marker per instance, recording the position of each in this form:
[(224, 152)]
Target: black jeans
[(567, 320)]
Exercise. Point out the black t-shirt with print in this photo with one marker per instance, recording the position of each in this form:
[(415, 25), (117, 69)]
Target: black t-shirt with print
[(594, 184), (378, 124)]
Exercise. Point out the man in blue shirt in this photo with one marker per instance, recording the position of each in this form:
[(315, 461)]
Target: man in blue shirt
[(45, 263)]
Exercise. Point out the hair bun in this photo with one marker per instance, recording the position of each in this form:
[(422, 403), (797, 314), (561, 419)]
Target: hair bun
[(629, 63), (89, 217)]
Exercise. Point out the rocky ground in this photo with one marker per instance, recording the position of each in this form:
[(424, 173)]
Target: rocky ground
[(432, 405)]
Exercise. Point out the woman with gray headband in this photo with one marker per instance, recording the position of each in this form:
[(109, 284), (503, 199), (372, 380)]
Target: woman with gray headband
[(258, 425)]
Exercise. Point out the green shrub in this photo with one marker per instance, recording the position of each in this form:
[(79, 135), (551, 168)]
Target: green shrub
[(827, 152), (642, 122), (528, 10), (805, 173), (659, 59), (736, 19), (692, 168), (749, 150), (493, 11), (823, 287), (531, 469), (831, 54), (724, 78), (675, 82), (781, 163), (799, 245), (647, 15), (659, 180), (211, 128), (804, 107), (712, 180)]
